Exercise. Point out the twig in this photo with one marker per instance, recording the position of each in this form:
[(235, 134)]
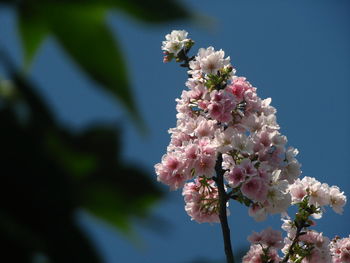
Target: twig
[(295, 240)]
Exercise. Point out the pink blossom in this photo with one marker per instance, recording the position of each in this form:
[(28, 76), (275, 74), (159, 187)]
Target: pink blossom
[(267, 238), (291, 171), (178, 138), (318, 192), (206, 147), (255, 253), (182, 105), (205, 128), (337, 199), (238, 87), (202, 200), (320, 252), (248, 167), (264, 138), (171, 171), (224, 139), (297, 191), (340, 249), (205, 165), (255, 189), (252, 100), (272, 238), (235, 176), (210, 61), (166, 57), (252, 122), (191, 155), (263, 174), (203, 104), (221, 105), (197, 89), (242, 143)]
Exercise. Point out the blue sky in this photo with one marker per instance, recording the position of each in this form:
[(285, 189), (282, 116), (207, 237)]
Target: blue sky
[(296, 52)]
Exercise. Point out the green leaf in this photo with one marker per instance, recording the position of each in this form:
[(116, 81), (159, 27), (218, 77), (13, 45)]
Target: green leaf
[(33, 31), (83, 33), (151, 11), (39, 216), (40, 114), (114, 191), (74, 161), (154, 11), (116, 200)]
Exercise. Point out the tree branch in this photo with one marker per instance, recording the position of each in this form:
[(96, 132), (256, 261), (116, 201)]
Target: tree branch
[(222, 210)]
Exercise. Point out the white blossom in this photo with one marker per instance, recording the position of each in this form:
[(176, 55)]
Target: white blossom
[(175, 41)]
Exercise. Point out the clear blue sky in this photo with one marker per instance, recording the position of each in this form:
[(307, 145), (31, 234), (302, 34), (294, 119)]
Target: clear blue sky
[(297, 52)]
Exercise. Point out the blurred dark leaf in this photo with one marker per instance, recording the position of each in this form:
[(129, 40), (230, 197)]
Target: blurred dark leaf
[(48, 172), (102, 197), (150, 11), (114, 185), (80, 27), (76, 162), (33, 31), (37, 198), (155, 11), (82, 31), (19, 233), (41, 116)]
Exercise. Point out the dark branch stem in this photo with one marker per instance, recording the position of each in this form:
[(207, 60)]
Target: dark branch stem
[(295, 240), (185, 59), (222, 210), (219, 179)]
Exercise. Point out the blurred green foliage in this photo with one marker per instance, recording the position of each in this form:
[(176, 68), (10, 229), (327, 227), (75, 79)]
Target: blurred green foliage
[(81, 29), (50, 172)]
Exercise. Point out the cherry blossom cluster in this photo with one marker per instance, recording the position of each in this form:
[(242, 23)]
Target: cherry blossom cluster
[(264, 247), (319, 194), (175, 42), (202, 200), (221, 113), (302, 244), (309, 247), (224, 127)]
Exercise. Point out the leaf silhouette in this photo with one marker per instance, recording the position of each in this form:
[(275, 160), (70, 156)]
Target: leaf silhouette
[(80, 27), (82, 31), (50, 172), (33, 31), (156, 11)]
